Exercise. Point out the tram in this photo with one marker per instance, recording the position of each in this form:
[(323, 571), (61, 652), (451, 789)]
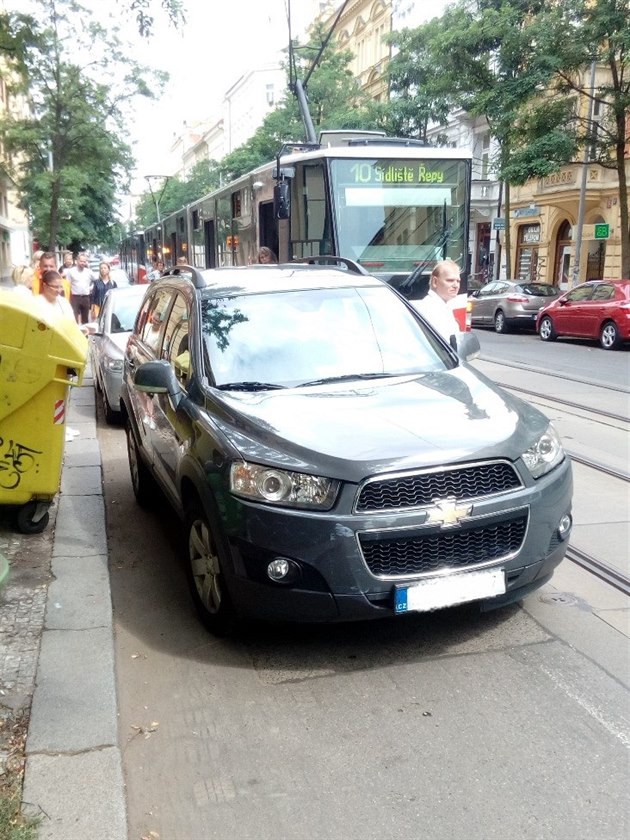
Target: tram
[(394, 206)]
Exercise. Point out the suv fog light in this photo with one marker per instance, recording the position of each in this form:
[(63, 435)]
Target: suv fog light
[(564, 527), (282, 570)]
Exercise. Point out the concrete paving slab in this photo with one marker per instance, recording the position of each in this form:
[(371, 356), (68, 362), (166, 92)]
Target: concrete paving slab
[(82, 481), (79, 597), (74, 704), (82, 451), (80, 527), (66, 792)]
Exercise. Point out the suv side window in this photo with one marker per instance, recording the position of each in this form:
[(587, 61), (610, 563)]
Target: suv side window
[(175, 347), (151, 321)]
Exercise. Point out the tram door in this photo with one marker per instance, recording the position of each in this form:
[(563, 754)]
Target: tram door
[(209, 239), (267, 230)]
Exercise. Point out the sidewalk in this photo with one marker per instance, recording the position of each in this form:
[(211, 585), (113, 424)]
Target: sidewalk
[(57, 623)]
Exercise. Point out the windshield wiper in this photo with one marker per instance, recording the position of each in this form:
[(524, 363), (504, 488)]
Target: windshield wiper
[(249, 386), (347, 377)]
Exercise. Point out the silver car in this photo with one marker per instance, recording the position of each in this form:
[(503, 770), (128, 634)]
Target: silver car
[(509, 304), (109, 340)]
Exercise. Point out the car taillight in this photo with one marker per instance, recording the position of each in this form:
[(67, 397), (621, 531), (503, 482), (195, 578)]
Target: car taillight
[(517, 299)]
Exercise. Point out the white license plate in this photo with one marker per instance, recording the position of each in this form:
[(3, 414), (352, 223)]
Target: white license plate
[(449, 590)]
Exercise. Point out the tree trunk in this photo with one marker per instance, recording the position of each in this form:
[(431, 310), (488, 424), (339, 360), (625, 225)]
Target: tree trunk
[(55, 189)]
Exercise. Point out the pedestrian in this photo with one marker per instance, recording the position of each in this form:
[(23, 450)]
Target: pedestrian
[(46, 262), (443, 287), (22, 276), (266, 256), (100, 287), (81, 280), (158, 270), (68, 262), (182, 261), (51, 302)]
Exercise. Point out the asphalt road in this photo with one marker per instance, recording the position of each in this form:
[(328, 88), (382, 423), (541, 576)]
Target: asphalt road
[(453, 725)]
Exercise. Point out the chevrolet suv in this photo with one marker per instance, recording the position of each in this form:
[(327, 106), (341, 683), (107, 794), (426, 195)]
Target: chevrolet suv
[(330, 456)]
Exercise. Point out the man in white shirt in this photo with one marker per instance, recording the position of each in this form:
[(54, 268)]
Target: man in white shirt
[(443, 287), (81, 279)]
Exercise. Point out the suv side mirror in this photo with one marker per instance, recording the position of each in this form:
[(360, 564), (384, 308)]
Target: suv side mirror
[(468, 346)]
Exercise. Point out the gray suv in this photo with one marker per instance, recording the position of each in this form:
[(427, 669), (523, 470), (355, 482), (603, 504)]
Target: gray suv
[(331, 457)]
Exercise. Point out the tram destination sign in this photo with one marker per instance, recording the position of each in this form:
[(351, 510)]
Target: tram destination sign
[(397, 172)]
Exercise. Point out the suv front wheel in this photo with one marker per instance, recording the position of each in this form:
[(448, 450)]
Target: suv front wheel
[(205, 573)]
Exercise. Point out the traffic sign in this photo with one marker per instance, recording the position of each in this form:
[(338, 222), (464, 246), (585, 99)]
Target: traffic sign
[(601, 231)]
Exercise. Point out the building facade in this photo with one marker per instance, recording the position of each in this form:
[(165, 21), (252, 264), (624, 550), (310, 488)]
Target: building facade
[(15, 235)]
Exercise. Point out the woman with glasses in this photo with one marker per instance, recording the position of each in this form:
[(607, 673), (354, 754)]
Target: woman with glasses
[(51, 302)]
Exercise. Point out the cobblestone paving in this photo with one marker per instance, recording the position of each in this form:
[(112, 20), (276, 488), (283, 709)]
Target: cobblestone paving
[(22, 609)]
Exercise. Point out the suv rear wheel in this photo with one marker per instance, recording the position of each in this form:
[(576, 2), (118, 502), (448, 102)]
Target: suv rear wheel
[(204, 546)]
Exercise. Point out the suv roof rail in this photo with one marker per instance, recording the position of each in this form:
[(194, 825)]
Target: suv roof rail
[(331, 260), (189, 272)]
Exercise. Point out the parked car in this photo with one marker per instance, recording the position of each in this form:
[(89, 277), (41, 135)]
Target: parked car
[(598, 309), (108, 342), (331, 457), (120, 277), (509, 304)]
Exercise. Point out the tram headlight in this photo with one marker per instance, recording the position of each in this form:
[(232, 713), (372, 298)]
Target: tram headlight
[(545, 454), (282, 487)]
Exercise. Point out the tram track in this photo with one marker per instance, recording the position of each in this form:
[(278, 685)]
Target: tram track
[(604, 571), (598, 568)]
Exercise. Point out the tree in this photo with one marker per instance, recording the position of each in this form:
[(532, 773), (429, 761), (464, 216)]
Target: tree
[(420, 94), (69, 158), (481, 56), (572, 36)]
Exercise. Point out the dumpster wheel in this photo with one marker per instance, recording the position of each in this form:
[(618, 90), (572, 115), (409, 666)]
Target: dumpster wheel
[(26, 522)]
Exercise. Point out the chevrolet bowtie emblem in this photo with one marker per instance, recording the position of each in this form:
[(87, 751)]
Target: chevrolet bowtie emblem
[(447, 513)]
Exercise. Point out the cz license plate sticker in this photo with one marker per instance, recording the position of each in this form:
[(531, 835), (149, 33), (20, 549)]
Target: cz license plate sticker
[(448, 591)]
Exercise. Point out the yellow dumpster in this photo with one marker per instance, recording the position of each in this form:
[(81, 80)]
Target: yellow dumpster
[(39, 360)]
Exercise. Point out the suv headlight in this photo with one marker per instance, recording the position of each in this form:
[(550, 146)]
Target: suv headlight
[(281, 487), (545, 454)]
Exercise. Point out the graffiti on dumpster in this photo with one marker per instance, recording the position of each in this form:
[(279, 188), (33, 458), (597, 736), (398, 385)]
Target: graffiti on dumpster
[(15, 460)]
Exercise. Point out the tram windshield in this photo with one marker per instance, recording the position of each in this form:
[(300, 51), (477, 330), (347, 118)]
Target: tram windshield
[(395, 215)]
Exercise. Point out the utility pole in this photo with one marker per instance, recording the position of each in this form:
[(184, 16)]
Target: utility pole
[(581, 207)]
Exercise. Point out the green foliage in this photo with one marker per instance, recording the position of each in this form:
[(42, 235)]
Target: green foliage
[(144, 11), (69, 158)]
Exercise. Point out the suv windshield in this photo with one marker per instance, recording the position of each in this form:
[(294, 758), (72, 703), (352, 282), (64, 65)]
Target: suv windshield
[(301, 337)]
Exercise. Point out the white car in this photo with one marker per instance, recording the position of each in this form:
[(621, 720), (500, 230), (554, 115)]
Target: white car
[(108, 343)]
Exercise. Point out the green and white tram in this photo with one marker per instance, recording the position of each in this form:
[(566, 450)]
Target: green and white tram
[(393, 206)]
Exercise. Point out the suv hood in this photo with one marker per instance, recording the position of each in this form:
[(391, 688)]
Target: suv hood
[(390, 424)]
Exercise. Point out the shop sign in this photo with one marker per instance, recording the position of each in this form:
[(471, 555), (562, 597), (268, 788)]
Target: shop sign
[(530, 234), (498, 223), (523, 212)]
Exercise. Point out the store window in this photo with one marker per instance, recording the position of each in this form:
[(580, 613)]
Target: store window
[(527, 253), (564, 252)]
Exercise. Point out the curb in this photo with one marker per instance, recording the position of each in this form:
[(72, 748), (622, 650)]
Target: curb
[(73, 777)]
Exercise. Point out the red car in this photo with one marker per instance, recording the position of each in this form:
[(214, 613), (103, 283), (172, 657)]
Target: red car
[(597, 309)]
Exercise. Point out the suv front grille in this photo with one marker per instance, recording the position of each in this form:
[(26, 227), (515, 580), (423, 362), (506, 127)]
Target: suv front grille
[(447, 549), (412, 491)]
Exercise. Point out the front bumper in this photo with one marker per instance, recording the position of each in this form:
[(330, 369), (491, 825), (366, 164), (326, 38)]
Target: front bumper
[(334, 582)]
